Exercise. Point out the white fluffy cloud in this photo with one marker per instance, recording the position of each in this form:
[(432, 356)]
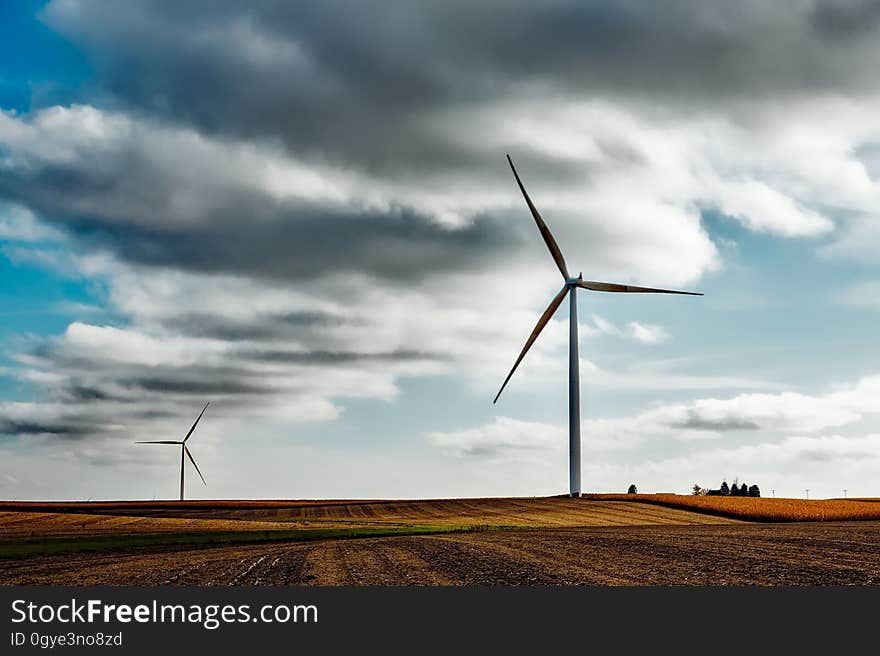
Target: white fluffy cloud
[(647, 333), (764, 209), (784, 413)]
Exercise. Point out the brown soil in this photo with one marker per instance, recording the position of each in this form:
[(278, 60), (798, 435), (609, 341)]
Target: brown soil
[(828, 553)]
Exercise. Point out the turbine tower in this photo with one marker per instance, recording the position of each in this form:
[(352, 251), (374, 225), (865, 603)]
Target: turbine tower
[(184, 449), (569, 288)]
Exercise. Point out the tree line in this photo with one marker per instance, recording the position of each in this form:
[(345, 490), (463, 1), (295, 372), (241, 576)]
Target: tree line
[(736, 490)]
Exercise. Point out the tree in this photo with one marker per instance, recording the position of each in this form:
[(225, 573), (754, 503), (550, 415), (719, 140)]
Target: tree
[(754, 491), (632, 489), (734, 490), (698, 491), (725, 489)]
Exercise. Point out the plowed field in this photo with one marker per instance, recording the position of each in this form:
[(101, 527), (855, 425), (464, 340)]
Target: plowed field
[(524, 541), (846, 553)]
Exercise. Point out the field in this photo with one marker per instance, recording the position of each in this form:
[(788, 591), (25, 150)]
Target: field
[(762, 509), (601, 540)]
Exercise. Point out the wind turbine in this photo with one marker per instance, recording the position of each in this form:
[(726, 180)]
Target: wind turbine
[(184, 449), (569, 288)]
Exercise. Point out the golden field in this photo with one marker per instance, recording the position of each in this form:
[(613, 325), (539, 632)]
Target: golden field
[(759, 509), (33, 521), (35, 525)]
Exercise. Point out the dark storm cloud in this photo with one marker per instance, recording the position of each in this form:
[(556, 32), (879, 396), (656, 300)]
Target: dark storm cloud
[(265, 328), (352, 79), (71, 420), (124, 400), (201, 387), (241, 231), (844, 20), (91, 377), (325, 358), (352, 84), (74, 393), (396, 246), (61, 429)]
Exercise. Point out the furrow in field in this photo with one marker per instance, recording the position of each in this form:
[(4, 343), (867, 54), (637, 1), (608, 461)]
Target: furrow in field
[(553, 563), (469, 564), (285, 568)]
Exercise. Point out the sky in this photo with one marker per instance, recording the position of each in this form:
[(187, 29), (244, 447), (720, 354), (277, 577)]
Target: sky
[(302, 213)]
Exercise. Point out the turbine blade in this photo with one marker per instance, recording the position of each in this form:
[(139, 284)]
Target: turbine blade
[(542, 227), (613, 287), (192, 460), (196, 422), (160, 442), (545, 318)]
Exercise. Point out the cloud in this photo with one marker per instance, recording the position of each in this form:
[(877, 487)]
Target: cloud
[(783, 468), (647, 333), (19, 224), (168, 196), (845, 19), (388, 61), (640, 332), (788, 412), (799, 449), (696, 420), (504, 437), (47, 419), (858, 241), (764, 209)]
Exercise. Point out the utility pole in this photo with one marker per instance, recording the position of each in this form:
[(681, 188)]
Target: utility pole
[(774, 493), (808, 492), (844, 493)]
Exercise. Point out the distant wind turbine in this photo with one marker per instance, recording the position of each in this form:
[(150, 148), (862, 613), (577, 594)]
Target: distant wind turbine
[(184, 449), (570, 288)]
